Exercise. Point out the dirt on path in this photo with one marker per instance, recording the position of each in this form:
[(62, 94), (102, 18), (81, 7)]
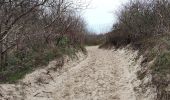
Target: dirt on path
[(102, 75)]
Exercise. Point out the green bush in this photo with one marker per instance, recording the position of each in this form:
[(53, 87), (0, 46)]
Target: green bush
[(64, 41), (162, 64)]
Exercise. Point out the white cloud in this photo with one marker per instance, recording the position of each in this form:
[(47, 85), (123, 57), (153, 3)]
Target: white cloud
[(100, 15)]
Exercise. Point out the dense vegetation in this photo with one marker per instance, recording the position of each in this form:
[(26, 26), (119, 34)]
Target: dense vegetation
[(92, 39), (34, 32), (145, 24)]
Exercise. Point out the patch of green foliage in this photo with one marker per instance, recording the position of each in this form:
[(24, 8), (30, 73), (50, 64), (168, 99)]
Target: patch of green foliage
[(64, 41), (162, 64), (20, 64)]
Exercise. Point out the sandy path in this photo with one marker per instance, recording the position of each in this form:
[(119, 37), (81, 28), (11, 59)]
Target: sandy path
[(103, 75)]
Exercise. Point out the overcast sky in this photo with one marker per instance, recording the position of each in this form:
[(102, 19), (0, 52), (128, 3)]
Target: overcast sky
[(101, 14)]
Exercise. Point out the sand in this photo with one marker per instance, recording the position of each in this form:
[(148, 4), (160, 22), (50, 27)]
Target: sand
[(101, 75)]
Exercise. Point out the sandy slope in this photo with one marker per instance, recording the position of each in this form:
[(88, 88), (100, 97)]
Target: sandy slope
[(102, 75)]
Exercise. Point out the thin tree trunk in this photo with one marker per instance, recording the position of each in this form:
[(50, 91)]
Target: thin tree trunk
[(6, 53), (1, 50), (1, 55)]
